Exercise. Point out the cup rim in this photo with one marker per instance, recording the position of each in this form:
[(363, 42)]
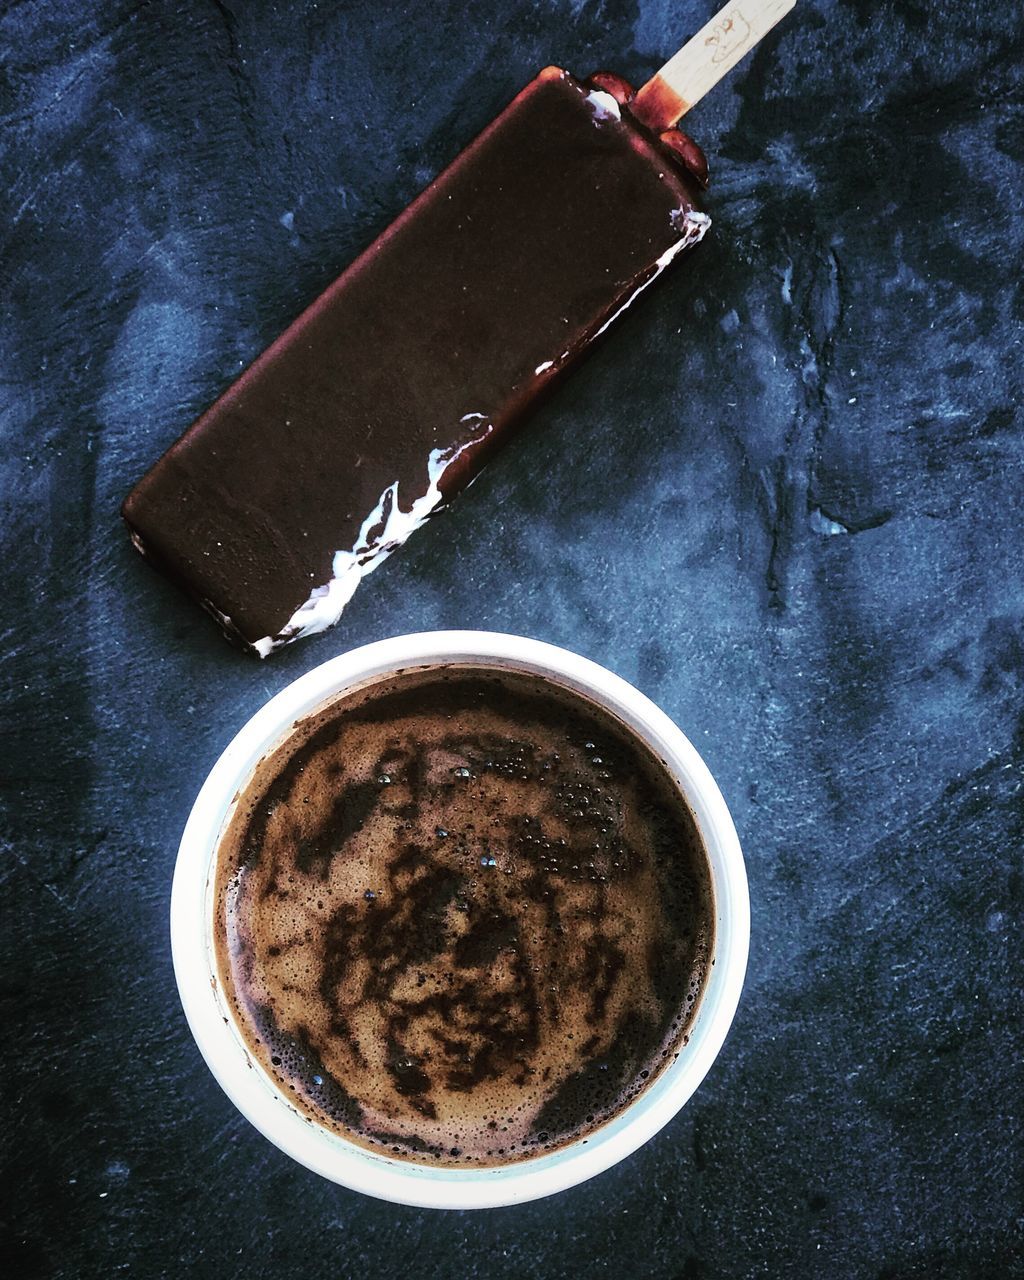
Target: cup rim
[(403, 1181)]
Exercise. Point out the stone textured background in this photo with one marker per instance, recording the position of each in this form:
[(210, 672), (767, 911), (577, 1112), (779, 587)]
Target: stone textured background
[(784, 499)]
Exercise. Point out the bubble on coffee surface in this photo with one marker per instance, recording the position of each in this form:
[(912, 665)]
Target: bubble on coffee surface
[(462, 918)]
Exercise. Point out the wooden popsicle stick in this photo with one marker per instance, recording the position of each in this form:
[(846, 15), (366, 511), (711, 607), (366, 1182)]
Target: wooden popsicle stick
[(704, 60)]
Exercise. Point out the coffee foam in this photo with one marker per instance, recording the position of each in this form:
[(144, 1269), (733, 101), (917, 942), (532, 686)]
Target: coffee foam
[(462, 918)]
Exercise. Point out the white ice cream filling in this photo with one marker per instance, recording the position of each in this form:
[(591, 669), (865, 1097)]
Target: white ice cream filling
[(384, 530)]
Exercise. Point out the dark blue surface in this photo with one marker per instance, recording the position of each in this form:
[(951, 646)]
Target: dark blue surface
[(784, 499)]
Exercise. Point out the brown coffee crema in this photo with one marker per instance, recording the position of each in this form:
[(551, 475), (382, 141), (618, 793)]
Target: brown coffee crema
[(462, 917)]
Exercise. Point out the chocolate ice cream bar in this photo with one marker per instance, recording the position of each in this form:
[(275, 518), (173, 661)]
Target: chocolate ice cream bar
[(386, 396)]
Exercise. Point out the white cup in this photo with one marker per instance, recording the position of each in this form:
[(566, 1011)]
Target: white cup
[(403, 1181)]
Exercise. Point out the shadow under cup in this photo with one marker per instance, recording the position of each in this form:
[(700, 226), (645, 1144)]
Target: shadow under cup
[(354, 1165)]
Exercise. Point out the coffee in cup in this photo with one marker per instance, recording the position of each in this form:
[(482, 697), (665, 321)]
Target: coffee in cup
[(463, 916)]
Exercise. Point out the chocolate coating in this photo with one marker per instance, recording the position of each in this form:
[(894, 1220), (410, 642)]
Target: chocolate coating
[(611, 82), (386, 396), (461, 918), (689, 153)]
